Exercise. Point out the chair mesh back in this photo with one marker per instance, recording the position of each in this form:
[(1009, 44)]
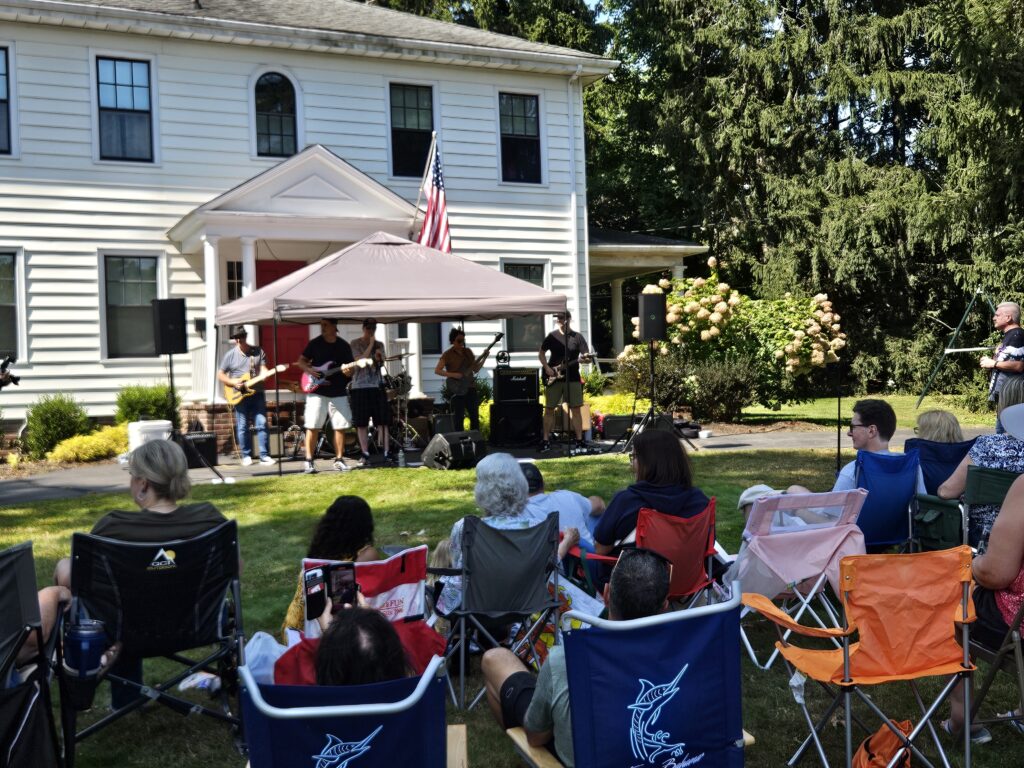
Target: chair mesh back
[(684, 541), (507, 571), (413, 737), (988, 486), (923, 590), (891, 481), (19, 605), (938, 460), (157, 598)]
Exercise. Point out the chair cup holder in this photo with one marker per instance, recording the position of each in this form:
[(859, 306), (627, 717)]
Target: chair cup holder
[(80, 690)]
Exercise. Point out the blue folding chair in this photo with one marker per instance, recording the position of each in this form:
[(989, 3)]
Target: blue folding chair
[(938, 460), (664, 690), (891, 482), (400, 722)]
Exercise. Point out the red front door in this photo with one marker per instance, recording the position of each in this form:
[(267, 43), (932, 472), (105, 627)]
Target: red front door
[(291, 338)]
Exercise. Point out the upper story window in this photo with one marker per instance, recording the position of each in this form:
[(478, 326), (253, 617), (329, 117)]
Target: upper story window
[(412, 123), (524, 334), (8, 304), (520, 137), (131, 286), (5, 104), (125, 109), (275, 116)]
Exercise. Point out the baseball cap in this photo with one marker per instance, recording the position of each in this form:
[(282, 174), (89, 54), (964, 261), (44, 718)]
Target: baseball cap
[(534, 479)]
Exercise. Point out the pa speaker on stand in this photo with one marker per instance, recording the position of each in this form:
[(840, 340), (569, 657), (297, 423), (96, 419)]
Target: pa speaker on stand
[(169, 331)]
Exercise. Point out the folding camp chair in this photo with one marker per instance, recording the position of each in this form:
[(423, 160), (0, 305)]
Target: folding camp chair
[(659, 690), (903, 609), (938, 460), (1009, 658), (505, 576), (28, 734), (891, 482), (400, 722), (942, 523), (159, 599), (792, 546)]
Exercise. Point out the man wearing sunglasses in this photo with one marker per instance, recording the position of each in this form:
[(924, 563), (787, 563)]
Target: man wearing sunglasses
[(638, 588)]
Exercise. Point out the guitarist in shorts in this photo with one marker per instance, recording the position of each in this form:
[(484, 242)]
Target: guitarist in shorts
[(248, 361), (460, 366), (331, 395), (560, 355)]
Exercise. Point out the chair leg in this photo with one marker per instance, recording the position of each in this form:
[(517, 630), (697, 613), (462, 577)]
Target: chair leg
[(848, 723)]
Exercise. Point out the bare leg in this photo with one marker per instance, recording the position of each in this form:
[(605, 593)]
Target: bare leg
[(311, 436), (339, 443), (498, 664), (798, 489), (363, 434), (383, 439), (50, 599), (62, 573)]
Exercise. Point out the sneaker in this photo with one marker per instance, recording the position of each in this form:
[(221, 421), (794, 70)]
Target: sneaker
[(267, 460), (341, 466), (309, 469), (364, 460), (1016, 723), (979, 735), (246, 461), (545, 446)]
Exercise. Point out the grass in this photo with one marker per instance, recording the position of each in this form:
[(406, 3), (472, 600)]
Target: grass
[(822, 410), (276, 518)]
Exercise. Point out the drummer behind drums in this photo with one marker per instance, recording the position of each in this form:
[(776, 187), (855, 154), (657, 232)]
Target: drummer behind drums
[(367, 396)]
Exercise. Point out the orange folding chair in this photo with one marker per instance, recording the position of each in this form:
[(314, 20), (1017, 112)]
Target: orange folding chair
[(904, 610)]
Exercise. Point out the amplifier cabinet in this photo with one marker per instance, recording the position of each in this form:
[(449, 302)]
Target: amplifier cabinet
[(516, 423), (516, 385)]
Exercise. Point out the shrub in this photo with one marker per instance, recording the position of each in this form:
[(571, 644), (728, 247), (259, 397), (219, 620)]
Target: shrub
[(620, 404), (51, 419), (139, 401), (484, 388), (722, 389), (595, 382), (105, 443)]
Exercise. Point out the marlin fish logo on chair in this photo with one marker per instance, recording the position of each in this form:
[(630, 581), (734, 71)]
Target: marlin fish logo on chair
[(649, 746), (338, 754)]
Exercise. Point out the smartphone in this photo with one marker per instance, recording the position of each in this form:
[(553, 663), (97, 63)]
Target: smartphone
[(341, 583), (316, 593)]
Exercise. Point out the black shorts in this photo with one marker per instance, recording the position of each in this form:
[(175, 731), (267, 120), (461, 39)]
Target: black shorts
[(990, 628), (516, 695), (369, 403)]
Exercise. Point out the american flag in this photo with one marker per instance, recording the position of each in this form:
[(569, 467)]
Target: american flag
[(435, 232)]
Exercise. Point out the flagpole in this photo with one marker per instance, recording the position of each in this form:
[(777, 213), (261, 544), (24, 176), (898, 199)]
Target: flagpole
[(423, 181)]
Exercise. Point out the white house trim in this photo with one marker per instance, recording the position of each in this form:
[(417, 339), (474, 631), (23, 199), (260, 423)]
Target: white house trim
[(300, 114), (161, 293), (542, 130), (20, 303), (154, 104), (12, 100)]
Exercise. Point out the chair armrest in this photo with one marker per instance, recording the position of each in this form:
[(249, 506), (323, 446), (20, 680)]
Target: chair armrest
[(536, 757), (770, 611), (936, 501), (600, 558), (433, 571)]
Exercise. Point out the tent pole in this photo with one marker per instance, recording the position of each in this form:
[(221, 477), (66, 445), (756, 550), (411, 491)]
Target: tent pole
[(277, 404)]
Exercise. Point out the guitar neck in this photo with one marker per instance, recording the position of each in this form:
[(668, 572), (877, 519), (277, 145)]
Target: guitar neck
[(490, 346)]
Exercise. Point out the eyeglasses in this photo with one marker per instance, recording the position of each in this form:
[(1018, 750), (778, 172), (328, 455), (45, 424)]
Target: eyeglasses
[(854, 426)]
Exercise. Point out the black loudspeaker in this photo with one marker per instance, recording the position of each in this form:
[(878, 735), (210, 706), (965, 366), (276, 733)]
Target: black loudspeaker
[(516, 385), (196, 444), (616, 427), (454, 450), (444, 422), (652, 316), (169, 330), (516, 423)]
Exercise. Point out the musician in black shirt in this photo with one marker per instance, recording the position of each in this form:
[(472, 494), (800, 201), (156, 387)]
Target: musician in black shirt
[(327, 350), (560, 355)]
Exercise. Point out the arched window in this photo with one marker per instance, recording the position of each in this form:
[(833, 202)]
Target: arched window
[(275, 116)]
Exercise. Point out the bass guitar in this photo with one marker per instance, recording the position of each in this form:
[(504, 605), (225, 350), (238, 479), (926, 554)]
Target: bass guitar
[(461, 386), (310, 383), (236, 394), (561, 368)]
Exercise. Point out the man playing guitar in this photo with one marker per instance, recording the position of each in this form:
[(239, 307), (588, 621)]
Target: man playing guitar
[(244, 361), (566, 348), (330, 395), (368, 398), (460, 366)]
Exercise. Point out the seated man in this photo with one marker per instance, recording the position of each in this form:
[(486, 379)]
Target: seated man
[(574, 510), (638, 588)]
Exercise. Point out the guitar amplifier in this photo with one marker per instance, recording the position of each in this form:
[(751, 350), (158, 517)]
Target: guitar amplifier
[(196, 445), (515, 424), (516, 385)]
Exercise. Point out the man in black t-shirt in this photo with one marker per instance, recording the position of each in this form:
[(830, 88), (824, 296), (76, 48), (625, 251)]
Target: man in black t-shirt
[(560, 355), (1008, 360), (325, 352)]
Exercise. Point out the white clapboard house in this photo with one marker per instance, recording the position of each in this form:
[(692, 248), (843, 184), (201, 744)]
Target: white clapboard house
[(204, 148)]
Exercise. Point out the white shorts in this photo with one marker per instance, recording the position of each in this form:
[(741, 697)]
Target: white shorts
[(341, 414)]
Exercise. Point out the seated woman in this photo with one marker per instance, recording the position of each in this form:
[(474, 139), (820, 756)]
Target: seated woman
[(664, 482), (993, 452), (344, 532), (939, 427), (360, 647)]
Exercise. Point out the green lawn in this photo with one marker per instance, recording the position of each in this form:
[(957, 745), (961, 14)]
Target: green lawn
[(276, 518), (822, 410)]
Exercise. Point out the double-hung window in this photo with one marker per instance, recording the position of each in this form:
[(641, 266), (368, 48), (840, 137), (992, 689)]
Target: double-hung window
[(9, 304), (131, 286), (524, 334), (412, 123), (5, 102), (125, 93), (520, 137)]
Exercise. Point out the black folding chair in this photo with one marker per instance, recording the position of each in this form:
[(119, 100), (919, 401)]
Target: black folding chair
[(1009, 658), (160, 599), (28, 734), (505, 577)]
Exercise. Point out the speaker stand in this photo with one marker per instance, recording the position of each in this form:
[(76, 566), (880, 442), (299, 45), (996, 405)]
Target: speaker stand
[(650, 417), (176, 435)]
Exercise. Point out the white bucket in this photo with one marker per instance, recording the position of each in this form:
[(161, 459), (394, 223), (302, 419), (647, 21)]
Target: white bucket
[(140, 432)]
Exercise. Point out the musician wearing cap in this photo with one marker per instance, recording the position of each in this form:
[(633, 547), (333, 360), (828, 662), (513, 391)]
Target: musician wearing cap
[(241, 363), (560, 355), (369, 401), (460, 366), (327, 361)]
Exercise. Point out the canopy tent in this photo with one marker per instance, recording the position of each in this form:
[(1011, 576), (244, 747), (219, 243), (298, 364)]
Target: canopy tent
[(392, 279)]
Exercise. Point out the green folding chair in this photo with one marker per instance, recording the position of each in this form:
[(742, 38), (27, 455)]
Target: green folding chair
[(942, 523)]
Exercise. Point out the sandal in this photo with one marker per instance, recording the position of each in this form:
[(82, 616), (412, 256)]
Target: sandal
[(109, 659), (979, 734), (1013, 719)]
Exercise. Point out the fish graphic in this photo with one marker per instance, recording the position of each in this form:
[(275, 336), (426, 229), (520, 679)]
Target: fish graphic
[(337, 753), (646, 708)]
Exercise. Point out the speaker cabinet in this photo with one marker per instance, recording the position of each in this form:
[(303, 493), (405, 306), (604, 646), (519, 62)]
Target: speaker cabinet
[(199, 444), (652, 316), (169, 330), (444, 422), (616, 427), (516, 423), (454, 450), (516, 385)]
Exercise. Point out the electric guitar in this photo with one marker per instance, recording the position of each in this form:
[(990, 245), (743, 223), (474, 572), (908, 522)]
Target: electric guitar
[(460, 386), (560, 369), (236, 394), (497, 337), (311, 383)]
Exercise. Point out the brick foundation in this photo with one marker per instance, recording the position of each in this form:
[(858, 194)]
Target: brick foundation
[(202, 417)]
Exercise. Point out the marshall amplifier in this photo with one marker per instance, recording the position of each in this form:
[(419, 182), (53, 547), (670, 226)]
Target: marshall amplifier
[(516, 385)]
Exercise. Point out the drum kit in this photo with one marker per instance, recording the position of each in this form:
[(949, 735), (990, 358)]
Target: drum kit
[(397, 388)]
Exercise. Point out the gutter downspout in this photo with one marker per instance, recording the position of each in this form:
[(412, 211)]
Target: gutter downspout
[(583, 301)]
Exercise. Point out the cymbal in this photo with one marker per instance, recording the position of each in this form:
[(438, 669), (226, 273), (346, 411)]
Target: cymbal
[(399, 356)]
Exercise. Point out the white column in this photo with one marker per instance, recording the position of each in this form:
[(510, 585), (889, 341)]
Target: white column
[(414, 363), (249, 277), (211, 277), (617, 318)]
